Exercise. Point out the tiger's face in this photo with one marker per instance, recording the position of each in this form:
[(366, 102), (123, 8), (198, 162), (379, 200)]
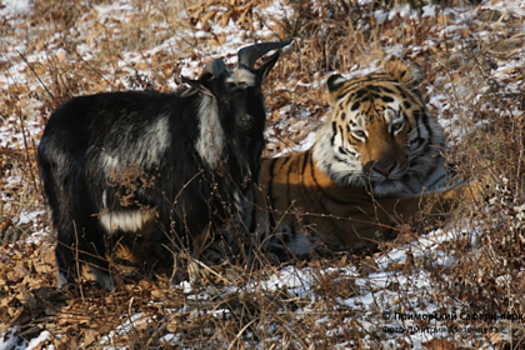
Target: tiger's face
[(379, 133)]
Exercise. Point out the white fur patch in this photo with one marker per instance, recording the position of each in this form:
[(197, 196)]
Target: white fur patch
[(132, 220), (145, 152), (241, 76), (109, 162), (152, 144), (61, 279), (104, 200), (211, 139)]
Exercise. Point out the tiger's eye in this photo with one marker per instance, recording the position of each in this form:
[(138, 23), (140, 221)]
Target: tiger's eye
[(360, 133), (397, 126)]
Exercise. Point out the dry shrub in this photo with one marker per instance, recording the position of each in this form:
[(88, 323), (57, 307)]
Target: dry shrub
[(487, 145), (60, 14), (330, 35), (240, 12), (493, 259)]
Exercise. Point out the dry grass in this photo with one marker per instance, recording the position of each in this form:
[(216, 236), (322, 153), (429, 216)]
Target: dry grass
[(230, 307)]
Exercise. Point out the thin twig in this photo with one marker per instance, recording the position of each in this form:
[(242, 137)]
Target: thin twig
[(36, 75)]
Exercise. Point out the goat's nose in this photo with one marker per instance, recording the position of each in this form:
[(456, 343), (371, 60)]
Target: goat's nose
[(384, 169)]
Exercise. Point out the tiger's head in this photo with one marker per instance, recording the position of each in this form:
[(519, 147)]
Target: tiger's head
[(379, 133)]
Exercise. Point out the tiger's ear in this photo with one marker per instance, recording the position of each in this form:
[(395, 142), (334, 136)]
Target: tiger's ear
[(413, 77), (333, 84)]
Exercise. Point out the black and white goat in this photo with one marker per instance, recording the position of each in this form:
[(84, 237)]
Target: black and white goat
[(165, 168)]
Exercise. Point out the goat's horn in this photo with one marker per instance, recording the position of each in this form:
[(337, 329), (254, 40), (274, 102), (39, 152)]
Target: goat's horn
[(248, 55), (214, 68)]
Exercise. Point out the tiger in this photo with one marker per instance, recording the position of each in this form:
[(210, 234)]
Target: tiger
[(378, 158)]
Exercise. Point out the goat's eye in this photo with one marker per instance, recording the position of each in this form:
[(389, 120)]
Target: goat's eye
[(397, 126), (360, 134)]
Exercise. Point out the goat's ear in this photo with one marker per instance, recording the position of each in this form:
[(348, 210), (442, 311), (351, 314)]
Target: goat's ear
[(266, 68), (196, 86)]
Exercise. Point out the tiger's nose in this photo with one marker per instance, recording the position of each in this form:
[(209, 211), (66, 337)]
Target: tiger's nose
[(384, 169)]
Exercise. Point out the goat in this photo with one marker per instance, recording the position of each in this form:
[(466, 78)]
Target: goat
[(165, 168)]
